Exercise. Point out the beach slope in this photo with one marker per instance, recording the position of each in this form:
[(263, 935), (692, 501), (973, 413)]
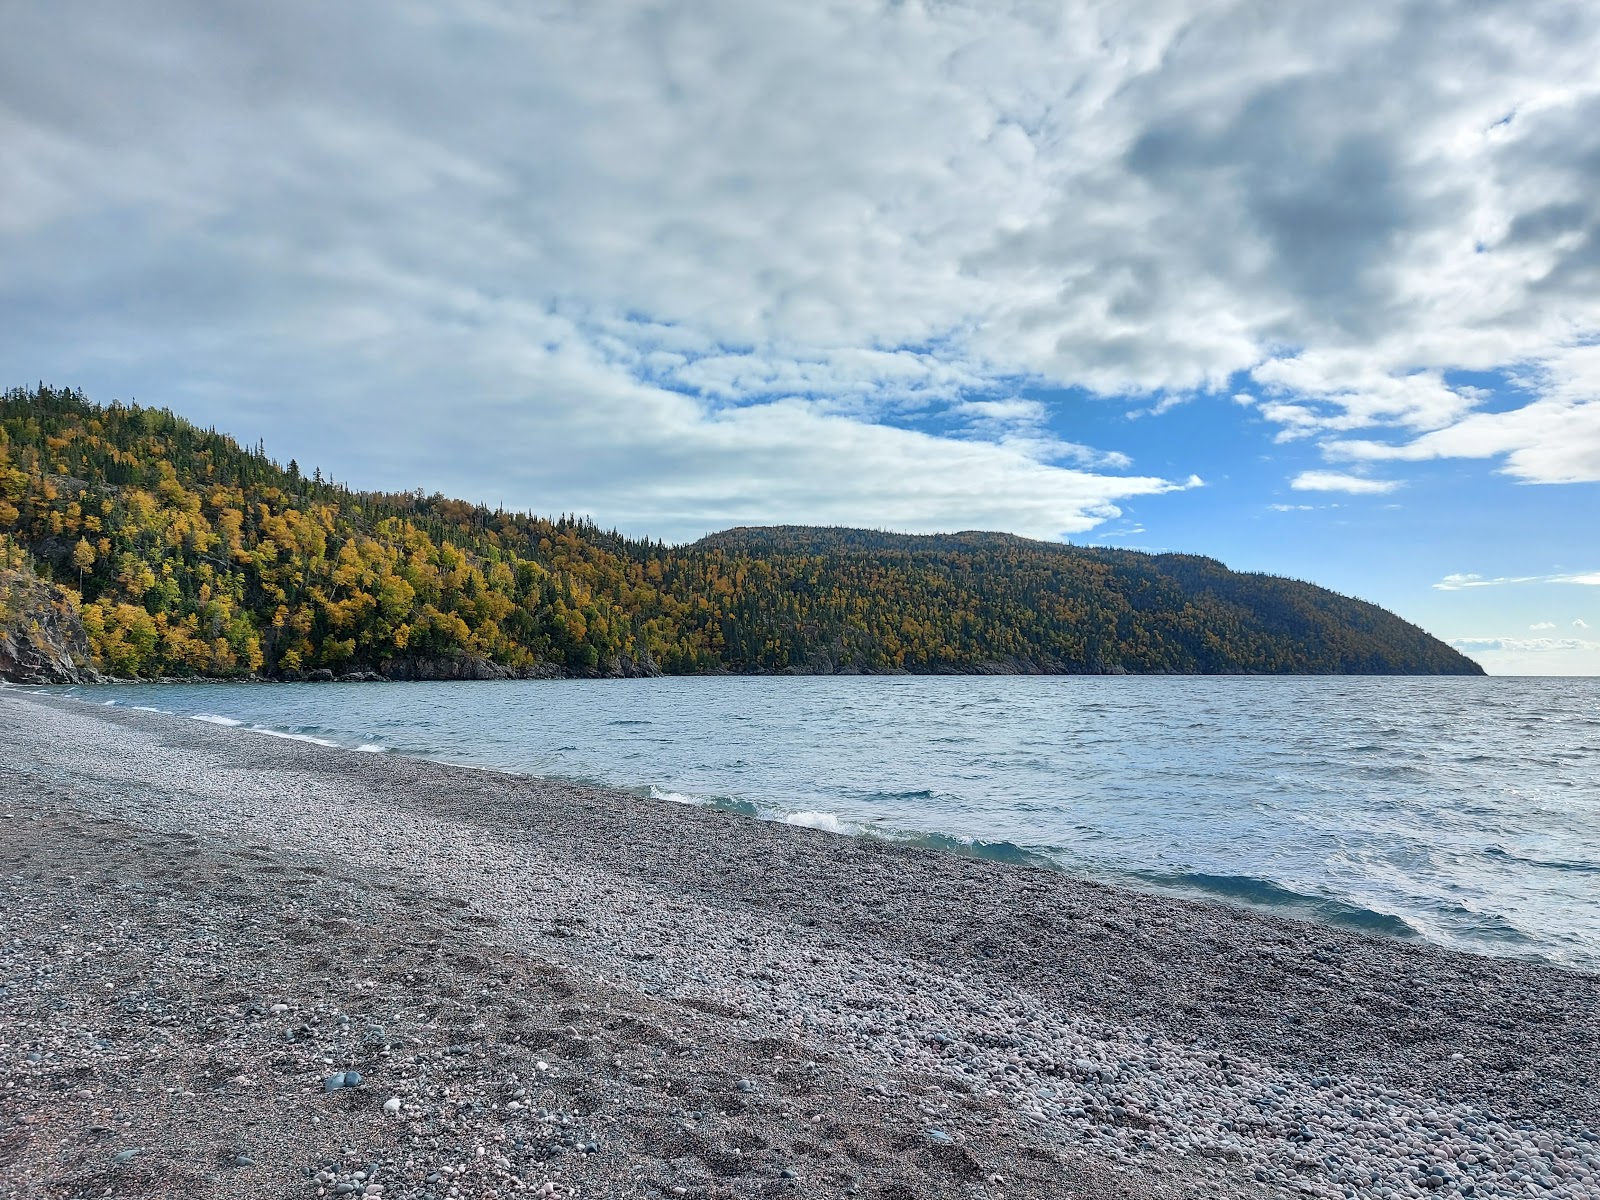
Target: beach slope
[(233, 965)]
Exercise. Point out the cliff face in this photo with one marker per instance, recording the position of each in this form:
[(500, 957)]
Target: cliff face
[(41, 636)]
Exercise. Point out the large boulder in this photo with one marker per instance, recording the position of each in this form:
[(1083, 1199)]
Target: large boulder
[(41, 633)]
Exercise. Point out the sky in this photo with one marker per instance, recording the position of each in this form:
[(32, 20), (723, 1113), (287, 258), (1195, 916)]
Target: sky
[(1311, 289)]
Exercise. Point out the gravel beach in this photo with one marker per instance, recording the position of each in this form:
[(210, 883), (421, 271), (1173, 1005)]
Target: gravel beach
[(233, 965)]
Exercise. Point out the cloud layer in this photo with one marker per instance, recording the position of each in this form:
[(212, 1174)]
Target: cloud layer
[(1455, 583), (684, 264)]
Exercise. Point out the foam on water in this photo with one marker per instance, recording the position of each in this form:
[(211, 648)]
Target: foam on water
[(817, 820), (1463, 811)]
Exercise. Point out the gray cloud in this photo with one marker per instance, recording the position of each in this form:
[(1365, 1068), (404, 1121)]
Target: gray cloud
[(684, 263)]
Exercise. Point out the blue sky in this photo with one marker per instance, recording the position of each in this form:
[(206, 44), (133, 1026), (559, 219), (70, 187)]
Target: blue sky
[(1315, 291)]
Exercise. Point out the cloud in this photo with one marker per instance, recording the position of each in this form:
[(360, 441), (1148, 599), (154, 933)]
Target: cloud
[(587, 247), (1021, 424), (1336, 481), (1553, 439), (1543, 625), (1580, 623), (1532, 656), (1454, 583), (1523, 644), (1480, 645)]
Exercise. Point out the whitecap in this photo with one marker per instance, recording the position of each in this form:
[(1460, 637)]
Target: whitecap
[(213, 719), (294, 737), (676, 797), (817, 820)]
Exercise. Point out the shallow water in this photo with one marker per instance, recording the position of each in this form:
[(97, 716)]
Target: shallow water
[(1463, 811)]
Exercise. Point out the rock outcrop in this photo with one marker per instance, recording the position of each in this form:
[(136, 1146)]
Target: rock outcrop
[(41, 634)]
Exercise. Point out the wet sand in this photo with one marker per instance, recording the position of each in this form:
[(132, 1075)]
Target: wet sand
[(553, 989)]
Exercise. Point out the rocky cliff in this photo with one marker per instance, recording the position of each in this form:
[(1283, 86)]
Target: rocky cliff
[(41, 637)]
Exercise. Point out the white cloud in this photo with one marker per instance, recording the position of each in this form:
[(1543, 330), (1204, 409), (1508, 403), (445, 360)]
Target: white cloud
[(1580, 623), (576, 239), (1532, 656), (1454, 583), (1543, 625), (1336, 481)]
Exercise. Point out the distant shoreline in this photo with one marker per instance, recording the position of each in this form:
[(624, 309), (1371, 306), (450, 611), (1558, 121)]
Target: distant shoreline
[(1071, 1033), (557, 674)]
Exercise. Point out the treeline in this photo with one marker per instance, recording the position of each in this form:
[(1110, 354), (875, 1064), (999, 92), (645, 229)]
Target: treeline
[(189, 554)]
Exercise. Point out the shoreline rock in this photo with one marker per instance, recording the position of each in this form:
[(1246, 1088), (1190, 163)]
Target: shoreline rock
[(42, 640)]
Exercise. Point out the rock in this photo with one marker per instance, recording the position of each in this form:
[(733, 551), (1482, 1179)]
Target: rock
[(352, 1079), (127, 1156), (392, 1105), (41, 634), (333, 1082)]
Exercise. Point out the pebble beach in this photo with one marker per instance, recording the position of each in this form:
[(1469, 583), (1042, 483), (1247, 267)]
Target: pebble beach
[(233, 965)]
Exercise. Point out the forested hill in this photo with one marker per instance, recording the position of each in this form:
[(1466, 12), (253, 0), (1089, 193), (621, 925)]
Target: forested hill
[(185, 553)]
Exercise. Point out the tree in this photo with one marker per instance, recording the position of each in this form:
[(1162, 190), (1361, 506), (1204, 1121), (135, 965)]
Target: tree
[(83, 558)]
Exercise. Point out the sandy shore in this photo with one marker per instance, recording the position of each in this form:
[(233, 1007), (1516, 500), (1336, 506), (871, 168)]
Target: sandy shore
[(560, 990)]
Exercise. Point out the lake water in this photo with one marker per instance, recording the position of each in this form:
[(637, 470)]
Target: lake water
[(1464, 811)]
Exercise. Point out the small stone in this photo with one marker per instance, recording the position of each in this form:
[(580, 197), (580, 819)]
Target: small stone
[(243, 1160), (125, 1156), (392, 1105), (333, 1082), (938, 1137), (352, 1079)]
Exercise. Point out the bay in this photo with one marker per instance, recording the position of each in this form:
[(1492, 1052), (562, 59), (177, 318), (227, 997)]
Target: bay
[(1463, 811)]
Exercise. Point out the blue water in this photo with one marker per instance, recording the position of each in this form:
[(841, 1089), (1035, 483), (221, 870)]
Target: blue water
[(1461, 811)]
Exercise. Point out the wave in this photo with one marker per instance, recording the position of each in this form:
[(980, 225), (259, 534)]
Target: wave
[(1548, 864), (818, 820), (891, 797), (657, 793), (970, 847), (213, 719), (726, 803), (295, 737), (1266, 894)]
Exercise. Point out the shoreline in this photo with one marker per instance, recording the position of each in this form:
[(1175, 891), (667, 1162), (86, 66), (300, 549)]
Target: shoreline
[(1078, 1037), (1243, 887)]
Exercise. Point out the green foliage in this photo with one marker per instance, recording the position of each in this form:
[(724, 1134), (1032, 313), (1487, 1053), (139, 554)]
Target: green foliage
[(193, 555)]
